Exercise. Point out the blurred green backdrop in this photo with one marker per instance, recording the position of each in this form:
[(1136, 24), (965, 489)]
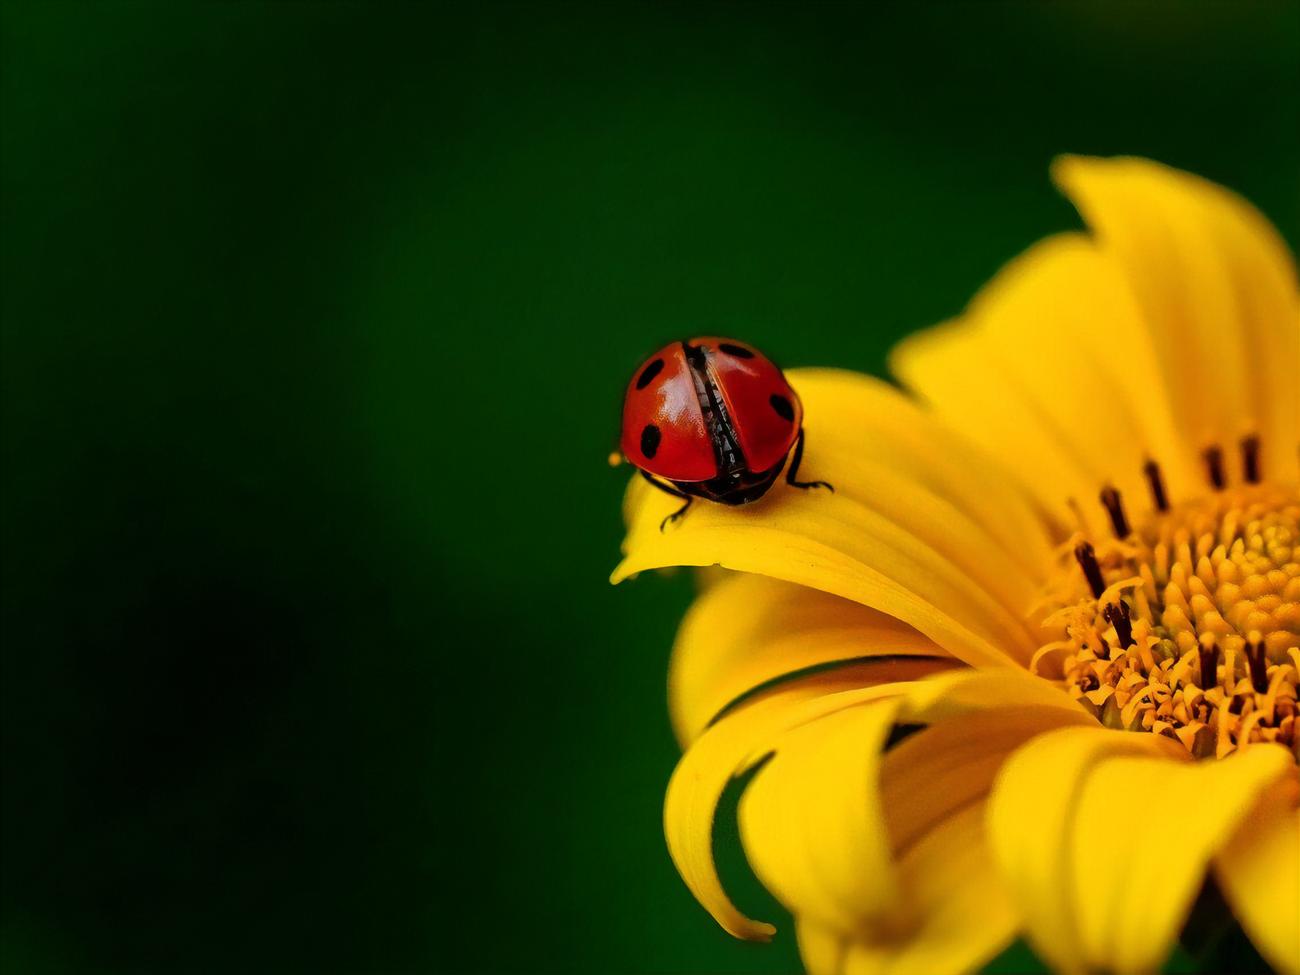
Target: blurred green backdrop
[(316, 320)]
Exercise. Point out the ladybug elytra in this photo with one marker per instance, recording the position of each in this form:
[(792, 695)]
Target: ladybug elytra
[(712, 418)]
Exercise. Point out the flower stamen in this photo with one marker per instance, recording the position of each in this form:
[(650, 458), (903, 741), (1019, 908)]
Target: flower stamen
[(1087, 558), (1250, 459), (1117, 615), (1214, 466), (1209, 676), (1114, 506), (1255, 658), (1152, 470), (1188, 625)]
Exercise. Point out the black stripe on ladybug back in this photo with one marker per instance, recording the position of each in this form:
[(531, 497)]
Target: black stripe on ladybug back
[(727, 451)]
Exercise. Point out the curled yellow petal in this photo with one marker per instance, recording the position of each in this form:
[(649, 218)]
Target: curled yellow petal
[(747, 630), (883, 861), (812, 824), (953, 912), (744, 737), (728, 749)]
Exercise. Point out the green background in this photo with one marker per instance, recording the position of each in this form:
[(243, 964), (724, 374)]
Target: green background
[(316, 320)]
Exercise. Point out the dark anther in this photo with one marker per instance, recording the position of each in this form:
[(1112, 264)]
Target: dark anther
[(1209, 665), (1115, 507), (1152, 471), (1091, 570), (1258, 665), (1250, 459), (1118, 617), (1214, 466)]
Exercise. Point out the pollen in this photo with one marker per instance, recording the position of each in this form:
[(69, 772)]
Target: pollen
[(1185, 623)]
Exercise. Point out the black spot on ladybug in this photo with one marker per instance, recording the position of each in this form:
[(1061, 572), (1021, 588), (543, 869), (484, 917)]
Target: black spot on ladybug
[(648, 374), (736, 350), (650, 440), (783, 407)]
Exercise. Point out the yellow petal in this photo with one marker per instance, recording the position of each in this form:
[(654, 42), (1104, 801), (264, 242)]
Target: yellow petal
[(931, 784), (853, 415), (833, 543), (916, 893), (1217, 290), (1132, 907), (1178, 327), (1071, 413), (728, 749), (1104, 838), (961, 914), (1035, 794), (748, 630), (965, 692), (821, 949), (1259, 870), (1103, 393), (952, 763), (927, 518), (811, 820), (965, 914), (750, 733)]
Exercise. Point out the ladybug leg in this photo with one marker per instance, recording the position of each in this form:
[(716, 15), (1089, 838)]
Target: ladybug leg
[(675, 516), (793, 472), (663, 525)]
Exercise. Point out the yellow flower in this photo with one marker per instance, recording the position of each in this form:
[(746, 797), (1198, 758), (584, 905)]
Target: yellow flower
[(1069, 567)]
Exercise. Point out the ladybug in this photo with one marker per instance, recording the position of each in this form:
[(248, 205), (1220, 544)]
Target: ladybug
[(712, 418)]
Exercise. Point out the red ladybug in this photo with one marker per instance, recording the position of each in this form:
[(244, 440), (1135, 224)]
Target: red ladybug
[(712, 418)]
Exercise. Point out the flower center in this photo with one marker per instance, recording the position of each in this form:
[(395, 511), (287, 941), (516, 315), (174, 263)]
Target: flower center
[(1186, 624)]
